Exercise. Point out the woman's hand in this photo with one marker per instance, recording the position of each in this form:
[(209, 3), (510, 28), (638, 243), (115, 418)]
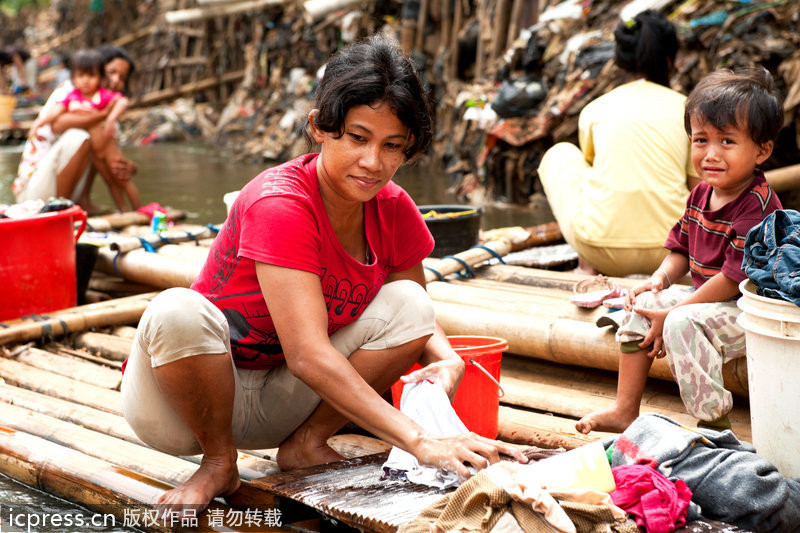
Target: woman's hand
[(447, 372), (455, 453), (655, 334)]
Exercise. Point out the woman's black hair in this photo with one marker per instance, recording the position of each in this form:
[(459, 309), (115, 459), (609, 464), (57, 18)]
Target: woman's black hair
[(745, 99), (87, 61), (647, 45), (368, 72), (111, 52)]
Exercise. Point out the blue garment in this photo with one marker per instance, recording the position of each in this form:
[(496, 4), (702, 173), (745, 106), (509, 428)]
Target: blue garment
[(772, 255)]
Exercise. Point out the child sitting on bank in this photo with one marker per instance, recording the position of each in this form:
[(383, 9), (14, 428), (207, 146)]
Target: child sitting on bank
[(732, 120), (89, 96)]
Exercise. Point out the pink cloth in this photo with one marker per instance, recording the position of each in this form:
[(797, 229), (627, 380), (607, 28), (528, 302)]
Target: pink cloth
[(654, 501)]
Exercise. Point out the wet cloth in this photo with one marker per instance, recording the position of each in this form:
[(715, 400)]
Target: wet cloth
[(268, 404), (698, 340), (772, 255), (616, 196), (279, 219), (657, 504), (728, 480), (714, 240), (427, 404), (481, 502)]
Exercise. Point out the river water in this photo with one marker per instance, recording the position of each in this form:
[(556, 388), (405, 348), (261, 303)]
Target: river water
[(195, 178)]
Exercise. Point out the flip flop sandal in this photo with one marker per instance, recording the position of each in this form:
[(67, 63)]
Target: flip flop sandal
[(592, 292)]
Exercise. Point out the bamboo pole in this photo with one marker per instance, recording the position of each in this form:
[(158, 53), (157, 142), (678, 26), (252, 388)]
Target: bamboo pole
[(121, 220), (561, 340), (316, 9), (121, 311), (100, 421), (501, 27), (784, 179), (545, 431), (77, 369), (422, 18), (93, 483), (213, 11), (108, 346), (473, 256), (148, 268), (562, 391), (178, 234), (113, 285), (188, 88), (185, 252), (513, 22), (60, 348), (44, 382)]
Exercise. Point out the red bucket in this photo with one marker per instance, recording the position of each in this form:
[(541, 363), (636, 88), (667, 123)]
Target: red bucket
[(37, 262), (477, 399)]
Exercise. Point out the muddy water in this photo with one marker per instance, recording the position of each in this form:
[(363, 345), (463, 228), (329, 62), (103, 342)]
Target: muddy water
[(195, 178)]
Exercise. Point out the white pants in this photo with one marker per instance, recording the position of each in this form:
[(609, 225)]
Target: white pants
[(268, 404), (42, 184)]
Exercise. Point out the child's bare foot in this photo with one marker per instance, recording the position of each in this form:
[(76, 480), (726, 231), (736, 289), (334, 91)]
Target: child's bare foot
[(612, 420), (293, 453), (215, 477)]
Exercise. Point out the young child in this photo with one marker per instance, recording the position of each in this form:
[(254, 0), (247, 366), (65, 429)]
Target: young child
[(732, 120), (89, 96)]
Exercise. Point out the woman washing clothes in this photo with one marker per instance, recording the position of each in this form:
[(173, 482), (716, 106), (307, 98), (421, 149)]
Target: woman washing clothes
[(617, 196), (312, 301)]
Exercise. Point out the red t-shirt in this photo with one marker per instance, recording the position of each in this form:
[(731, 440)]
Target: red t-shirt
[(279, 218), (714, 240)]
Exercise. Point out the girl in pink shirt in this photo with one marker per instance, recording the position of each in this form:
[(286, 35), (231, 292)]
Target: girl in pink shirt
[(90, 97)]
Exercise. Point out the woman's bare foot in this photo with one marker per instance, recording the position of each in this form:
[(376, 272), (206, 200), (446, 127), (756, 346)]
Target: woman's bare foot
[(585, 268), (612, 420), (215, 477), (295, 453)]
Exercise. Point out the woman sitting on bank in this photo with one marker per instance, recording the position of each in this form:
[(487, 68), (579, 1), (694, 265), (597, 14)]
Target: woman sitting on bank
[(312, 301), (56, 162), (617, 196)]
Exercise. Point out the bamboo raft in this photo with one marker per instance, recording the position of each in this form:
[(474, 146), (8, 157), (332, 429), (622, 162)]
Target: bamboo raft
[(62, 429)]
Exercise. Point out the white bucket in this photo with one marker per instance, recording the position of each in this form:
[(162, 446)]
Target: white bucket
[(772, 332), (228, 198)]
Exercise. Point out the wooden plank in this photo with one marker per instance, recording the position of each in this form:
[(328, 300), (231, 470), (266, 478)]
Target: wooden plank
[(213, 11), (354, 492)]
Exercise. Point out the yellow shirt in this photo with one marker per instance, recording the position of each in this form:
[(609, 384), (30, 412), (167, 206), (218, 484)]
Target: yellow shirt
[(639, 155)]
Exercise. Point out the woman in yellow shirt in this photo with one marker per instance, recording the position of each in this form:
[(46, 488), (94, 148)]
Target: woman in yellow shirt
[(616, 197)]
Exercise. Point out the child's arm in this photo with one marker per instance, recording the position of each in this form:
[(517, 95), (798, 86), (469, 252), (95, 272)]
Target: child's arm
[(672, 268), (719, 288), (47, 118)]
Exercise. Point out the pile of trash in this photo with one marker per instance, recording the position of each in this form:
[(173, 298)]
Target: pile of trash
[(565, 61)]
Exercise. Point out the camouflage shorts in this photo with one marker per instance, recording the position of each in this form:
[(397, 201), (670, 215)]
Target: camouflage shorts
[(698, 340)]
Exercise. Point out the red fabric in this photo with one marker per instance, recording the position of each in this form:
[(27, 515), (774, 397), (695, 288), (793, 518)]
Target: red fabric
[(151, 208), (76, 101), (714, 240), (654, 501), (279, 219)]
